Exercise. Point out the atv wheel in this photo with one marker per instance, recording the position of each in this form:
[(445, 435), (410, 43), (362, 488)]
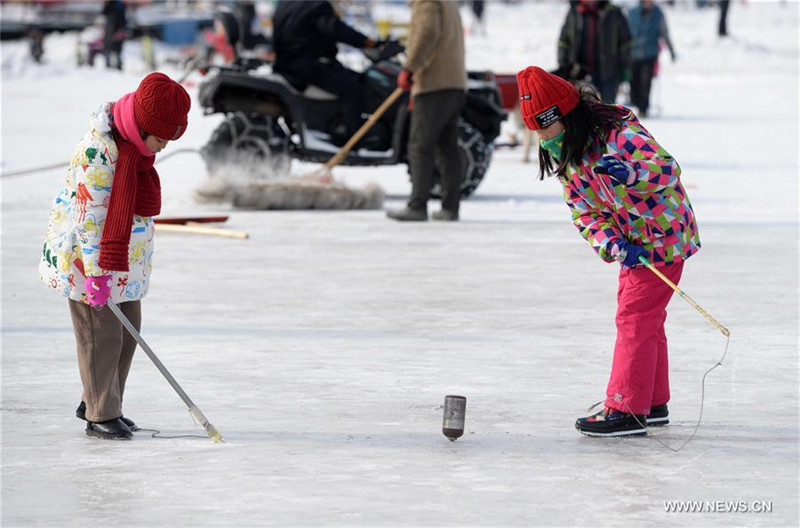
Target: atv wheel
[(476, 155), (255, 141)]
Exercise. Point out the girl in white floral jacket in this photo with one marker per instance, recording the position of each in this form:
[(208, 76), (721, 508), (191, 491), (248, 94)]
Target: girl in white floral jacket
[(99, 241)]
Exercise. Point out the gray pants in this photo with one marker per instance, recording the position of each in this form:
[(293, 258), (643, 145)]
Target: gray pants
[(105, 353), (433, 142)]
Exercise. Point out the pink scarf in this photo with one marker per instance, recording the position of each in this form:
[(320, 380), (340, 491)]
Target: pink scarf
[(136, 189), (125, 122)]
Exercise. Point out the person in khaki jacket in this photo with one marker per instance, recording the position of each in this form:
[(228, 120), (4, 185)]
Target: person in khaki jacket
[(435, 74)]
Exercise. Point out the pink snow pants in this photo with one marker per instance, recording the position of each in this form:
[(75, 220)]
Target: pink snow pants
[(640, 371)]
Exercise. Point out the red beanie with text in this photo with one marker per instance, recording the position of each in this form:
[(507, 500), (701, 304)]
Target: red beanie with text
[(544, 98), (161, 107)]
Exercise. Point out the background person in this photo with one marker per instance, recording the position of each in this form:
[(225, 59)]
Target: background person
[(436, 75), (648, 27), (595, 45), (722, 28), (114, 28), (478, 21)]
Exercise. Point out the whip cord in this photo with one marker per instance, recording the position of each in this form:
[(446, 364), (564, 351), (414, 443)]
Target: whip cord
[(156, 433), (702, 402), (65, 164)]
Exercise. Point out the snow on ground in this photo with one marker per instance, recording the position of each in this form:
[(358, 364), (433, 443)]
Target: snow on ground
[(323, 346)]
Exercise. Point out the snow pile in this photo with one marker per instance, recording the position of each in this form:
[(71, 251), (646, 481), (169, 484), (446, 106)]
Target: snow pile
[(247, 187), (257, 186)]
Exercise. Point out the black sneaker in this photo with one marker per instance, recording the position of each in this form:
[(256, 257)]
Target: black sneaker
[(611, 422), (659, 415), (109, 430), (80, 412)]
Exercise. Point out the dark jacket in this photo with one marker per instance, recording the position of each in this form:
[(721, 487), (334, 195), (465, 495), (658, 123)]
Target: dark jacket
[(305, 32), (648, 28), (613, 42), (116, 21)]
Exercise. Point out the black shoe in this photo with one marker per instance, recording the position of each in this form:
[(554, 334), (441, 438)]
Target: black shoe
[(109, 430), (659, 415), (408, 215), (80, 412), (445, 216), (130, 423), (610, 422)]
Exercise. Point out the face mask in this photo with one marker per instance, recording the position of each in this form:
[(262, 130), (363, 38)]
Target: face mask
[(553, 145)]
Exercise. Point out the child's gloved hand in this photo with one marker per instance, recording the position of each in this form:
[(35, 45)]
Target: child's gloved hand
[(619, 171), (628, 254), (98, 290)]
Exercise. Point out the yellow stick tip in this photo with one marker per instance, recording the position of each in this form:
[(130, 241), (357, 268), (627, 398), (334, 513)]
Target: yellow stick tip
[(213, 434)]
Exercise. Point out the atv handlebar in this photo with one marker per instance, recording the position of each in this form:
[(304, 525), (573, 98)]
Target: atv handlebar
[(384, 50)]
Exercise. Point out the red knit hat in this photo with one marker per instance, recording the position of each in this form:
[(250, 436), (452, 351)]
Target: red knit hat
[(544, 98), (161, 106)]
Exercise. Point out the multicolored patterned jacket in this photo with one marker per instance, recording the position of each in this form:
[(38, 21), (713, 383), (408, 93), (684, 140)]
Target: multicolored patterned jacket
[(72, 241), (653, 211)]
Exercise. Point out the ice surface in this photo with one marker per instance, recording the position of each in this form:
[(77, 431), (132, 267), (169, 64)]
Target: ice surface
[(323, 346)]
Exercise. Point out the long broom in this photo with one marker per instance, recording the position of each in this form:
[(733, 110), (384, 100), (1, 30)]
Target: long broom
[(196, 413)]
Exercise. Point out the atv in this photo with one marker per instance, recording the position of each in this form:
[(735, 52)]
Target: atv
[(269, 120)]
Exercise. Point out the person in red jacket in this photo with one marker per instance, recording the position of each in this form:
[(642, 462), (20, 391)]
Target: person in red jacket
[(626, 199), (99, 241)]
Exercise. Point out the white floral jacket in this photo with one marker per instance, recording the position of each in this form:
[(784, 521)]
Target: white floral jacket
[(72, 242)]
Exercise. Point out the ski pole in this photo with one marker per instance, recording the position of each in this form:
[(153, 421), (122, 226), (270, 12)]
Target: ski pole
[(196, 413), (688, 299)]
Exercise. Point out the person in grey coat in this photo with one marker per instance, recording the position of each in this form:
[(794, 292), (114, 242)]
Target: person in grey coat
[(649, 29)]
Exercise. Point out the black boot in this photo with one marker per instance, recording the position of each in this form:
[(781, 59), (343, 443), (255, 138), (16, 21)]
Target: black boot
[(80, 412), (408, 214), (445, 216), (109, 430)]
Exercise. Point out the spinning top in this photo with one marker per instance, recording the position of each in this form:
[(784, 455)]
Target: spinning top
[(455, 410)]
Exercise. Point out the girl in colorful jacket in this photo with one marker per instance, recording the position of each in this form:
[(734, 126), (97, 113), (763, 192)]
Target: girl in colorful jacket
[(99, 241), (626, 198)]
